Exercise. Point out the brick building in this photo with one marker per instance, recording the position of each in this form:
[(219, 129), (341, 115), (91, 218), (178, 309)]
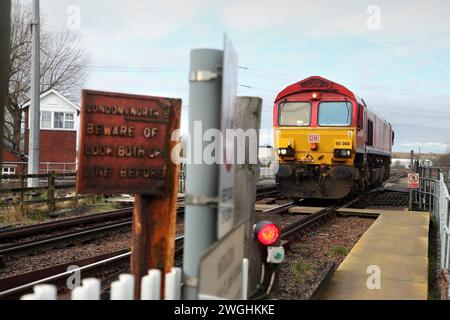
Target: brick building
[(60, 122), (13, 161)]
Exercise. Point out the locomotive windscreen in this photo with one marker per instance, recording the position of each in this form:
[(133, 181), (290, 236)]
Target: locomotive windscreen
[(295, 114), (336, 114)]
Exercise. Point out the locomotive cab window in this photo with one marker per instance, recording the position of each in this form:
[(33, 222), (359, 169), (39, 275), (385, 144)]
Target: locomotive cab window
[(335, 114), (295, 114)]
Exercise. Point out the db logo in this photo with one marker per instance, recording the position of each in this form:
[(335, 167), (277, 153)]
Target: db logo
[(314, 138)]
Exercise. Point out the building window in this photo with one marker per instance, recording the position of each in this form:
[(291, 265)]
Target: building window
[(59, 120), (46, 120), (69, 121), (7, 171), (64, 120)]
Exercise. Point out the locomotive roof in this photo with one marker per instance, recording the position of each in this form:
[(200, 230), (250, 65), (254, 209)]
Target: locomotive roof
[(317, 83)]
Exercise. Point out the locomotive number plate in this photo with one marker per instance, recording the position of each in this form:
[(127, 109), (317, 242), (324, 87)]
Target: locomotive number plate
[(343, 143)]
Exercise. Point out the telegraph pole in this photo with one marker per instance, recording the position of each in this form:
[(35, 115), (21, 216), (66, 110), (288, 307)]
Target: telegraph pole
[(34, 112), (5, 25)]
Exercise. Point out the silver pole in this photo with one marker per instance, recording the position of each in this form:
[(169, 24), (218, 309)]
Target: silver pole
[(34, 112), (201, 179)]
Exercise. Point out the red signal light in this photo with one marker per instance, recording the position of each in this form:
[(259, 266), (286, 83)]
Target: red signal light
[(267, 233)]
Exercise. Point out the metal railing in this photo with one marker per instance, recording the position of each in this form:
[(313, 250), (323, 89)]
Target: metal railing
[(433, 196), (44, 168)]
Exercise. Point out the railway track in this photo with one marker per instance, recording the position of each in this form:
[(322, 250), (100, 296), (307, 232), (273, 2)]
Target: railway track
[(48, 242), (14, 287), (90, 226)]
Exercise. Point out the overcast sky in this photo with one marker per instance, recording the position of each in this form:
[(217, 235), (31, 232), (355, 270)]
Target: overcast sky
[(399, 63)]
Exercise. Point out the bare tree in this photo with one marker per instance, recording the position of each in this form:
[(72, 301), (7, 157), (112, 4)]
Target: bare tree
[(63, 61)]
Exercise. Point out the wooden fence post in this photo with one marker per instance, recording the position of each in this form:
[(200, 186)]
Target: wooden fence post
[(22, 196), (51, 193)]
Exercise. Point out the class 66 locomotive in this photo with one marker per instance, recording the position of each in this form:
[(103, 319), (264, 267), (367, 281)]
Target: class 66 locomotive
[(328, 142)]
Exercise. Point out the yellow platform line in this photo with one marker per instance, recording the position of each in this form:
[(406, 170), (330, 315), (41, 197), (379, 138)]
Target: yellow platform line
[(396, 246)]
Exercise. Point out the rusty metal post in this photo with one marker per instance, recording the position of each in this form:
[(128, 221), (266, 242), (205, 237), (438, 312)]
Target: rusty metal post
[(154, 221), (5, 22)]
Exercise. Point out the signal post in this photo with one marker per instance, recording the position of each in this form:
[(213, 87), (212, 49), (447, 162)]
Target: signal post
[(126, 147)]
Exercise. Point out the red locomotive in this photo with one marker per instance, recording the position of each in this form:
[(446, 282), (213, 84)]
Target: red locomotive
[(329, 142)]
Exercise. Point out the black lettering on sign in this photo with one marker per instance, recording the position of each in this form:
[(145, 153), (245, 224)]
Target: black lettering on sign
[(127, 140)]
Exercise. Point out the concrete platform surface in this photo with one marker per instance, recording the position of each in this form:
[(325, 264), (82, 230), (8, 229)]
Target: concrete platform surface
[(389, 262)]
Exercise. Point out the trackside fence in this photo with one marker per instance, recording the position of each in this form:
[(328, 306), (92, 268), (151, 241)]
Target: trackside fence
[(14, 189), (433, 195)]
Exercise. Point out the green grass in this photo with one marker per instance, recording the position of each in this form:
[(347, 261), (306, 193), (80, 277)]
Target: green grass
[(340, 251), (302, 271)]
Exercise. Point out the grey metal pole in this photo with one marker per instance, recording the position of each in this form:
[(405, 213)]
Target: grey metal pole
[(34, 112), (5, 25), (411, 192), (201, 179)]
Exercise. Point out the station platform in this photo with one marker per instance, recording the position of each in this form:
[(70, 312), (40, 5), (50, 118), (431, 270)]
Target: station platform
[(396, 245)]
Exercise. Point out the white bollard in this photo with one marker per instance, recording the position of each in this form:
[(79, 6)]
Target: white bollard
[(151, 286), (42, 292), (123, 289), (179, 279), (173, 285), (245, 268), (46, 292), (90, 290)]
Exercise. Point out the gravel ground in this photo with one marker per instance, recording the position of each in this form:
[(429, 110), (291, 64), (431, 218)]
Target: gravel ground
[(308, 255), (102, 244)]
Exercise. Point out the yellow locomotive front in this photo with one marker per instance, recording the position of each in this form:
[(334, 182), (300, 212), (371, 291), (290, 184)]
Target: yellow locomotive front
[(316, 138)]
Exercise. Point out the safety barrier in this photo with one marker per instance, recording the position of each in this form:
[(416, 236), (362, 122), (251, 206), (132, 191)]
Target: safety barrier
[(123, 289), (433, 195)]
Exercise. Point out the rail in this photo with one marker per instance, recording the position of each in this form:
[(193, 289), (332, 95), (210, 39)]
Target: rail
[(433, 196), (44, 168)]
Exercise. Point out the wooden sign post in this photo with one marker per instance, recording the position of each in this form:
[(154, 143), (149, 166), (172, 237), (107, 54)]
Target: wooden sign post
[(126, 147)]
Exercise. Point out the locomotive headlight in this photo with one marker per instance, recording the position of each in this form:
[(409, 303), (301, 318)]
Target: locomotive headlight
[(286, 152), (342, 153)]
